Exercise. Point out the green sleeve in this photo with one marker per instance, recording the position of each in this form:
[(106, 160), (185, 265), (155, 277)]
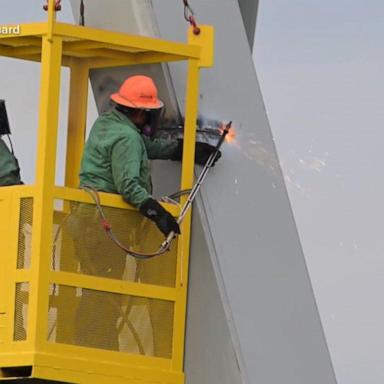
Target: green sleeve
[(160, 148), (126, 159), (9, 168)]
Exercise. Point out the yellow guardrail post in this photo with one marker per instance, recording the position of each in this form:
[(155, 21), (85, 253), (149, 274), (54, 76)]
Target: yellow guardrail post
[(51, 19), (77, 118), (45, 180), (191, 108), (205, 41)]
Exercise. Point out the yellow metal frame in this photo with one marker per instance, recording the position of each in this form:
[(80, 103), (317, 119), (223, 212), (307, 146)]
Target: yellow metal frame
[(80, 48)]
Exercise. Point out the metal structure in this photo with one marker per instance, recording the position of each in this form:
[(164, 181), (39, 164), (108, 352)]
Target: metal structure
[(43, 331)]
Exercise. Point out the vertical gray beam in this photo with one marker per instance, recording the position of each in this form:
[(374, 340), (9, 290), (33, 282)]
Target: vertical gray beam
[(245, 220)]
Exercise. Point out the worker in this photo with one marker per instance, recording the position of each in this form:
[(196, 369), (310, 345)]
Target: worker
[(116, 160), (121, 142)]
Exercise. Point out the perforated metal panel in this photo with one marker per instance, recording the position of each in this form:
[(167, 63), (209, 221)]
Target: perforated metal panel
[(110, 321), (82, 246), (21, 312), (25, 233)]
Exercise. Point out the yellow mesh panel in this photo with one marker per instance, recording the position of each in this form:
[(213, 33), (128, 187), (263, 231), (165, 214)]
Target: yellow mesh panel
[(82, 246), (25, 234), (21, 311), (110, 321)]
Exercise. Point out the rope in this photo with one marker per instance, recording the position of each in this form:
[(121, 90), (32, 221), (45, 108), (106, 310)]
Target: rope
[(57, 5), (189, 16)]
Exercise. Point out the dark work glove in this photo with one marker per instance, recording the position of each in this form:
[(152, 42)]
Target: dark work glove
[(202, 152), (162, 218)]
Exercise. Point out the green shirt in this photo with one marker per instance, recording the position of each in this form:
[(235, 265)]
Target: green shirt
[(116, 158), (9, 167)]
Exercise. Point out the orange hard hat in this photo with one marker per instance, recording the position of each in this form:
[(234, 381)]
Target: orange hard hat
[(138, 92)]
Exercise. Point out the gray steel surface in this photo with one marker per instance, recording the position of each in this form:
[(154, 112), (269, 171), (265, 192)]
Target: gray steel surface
[(210, 354), (253, 242)]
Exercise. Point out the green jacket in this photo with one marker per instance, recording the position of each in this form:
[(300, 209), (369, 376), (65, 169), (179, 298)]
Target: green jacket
[(9, 167), (116, 155)]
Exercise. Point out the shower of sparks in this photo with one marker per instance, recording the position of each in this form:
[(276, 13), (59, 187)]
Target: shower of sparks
[(230, 138), (254, 149)]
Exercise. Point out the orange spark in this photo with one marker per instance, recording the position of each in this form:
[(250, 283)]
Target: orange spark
[(231, 135)]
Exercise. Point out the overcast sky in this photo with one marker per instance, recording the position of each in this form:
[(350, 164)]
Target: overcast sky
[(320, 65)]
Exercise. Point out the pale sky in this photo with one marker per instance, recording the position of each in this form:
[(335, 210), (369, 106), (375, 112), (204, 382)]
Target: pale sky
[(320, 68)]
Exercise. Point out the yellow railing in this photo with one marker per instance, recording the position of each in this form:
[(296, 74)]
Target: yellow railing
[(101, 303)]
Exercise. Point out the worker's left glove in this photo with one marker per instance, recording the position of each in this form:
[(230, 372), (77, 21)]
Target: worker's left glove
[(202, 152), (162, 218)]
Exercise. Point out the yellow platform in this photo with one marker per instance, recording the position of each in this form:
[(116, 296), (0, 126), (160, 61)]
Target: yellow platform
[(72, 307)]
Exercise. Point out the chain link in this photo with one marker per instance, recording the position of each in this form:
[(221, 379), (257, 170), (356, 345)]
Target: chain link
[(57, 5), (189, 16)]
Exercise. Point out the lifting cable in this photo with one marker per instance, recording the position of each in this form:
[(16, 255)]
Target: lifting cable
[(165, 246), (82, 12), (189, 16)]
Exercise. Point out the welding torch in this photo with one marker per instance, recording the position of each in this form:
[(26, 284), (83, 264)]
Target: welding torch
[(191, 197)]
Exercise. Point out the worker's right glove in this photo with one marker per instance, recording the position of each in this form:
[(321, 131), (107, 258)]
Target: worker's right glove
[(162, 218), (202, 152)]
